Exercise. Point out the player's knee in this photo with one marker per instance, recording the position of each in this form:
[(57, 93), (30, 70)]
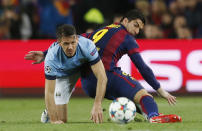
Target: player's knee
[(140, 94)]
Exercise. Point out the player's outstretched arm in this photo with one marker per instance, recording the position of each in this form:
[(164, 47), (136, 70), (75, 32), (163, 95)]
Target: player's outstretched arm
[(36, 56), (170, 98), (148, 75), (99, 71)]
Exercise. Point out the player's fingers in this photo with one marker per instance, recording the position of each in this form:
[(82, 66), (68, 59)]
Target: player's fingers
[(35, 62), (93, 118), (97, 119), (100, 117), (33, 52), (169, 102), (29, 55), (172, 101), (28, 58)]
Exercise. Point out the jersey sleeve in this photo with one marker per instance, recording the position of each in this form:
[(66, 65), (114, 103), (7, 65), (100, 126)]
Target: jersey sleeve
[(49, 67), (91, 53), (50, 70), (131, 45), (45, 53), (146, 72)]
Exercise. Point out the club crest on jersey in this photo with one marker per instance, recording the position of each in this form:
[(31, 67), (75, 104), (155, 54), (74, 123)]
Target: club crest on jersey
[(93, 52), (48, 69)]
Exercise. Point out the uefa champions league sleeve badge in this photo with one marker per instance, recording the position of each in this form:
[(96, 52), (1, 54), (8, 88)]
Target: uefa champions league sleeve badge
[(48, 69)]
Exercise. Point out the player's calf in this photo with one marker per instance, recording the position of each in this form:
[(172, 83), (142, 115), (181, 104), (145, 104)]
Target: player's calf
[(146, 104)]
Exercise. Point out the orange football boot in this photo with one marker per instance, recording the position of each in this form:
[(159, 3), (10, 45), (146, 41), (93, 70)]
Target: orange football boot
[(172, 118)]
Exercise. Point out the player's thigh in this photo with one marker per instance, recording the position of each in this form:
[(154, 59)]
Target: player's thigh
[(63, 89), (123, 85), (89, 85)]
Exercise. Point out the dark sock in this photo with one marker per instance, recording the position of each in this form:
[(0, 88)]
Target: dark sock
[(149, 106)]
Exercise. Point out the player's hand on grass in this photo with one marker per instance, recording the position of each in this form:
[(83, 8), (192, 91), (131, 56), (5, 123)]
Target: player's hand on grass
[(97, 113), (170, 98), (36, 56)]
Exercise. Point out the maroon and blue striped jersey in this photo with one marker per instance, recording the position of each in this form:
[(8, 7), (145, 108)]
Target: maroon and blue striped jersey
[(113, 42)]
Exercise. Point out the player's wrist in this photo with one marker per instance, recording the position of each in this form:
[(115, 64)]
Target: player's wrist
[(97, 103)]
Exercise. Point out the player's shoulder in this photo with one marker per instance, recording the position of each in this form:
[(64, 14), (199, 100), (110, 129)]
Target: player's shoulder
[(54, 44), (129, 39), (53, 47), (85, 42), (53, 50)]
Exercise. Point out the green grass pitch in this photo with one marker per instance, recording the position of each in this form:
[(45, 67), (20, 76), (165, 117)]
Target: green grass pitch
[(23, 114)]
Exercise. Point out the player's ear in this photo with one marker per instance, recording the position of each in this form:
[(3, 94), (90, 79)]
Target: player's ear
[(59, 41), (125, 21), (77, 38)]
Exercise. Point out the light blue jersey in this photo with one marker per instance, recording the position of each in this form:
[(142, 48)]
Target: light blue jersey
[(57, 64)]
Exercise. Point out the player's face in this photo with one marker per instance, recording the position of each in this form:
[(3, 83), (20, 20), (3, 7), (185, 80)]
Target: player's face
[(133, 26), (69, 44)]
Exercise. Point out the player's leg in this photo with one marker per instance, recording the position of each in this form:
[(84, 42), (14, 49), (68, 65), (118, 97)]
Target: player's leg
[(132, 89), (89, 85), (62, 112), (146, 103), (123, 85), (149, 107), (55, 113), (49, 100), (57, 98), (63, 90)]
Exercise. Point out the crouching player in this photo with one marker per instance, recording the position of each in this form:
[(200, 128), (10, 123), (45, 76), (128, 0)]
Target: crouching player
[(62, 70), (113, 42)]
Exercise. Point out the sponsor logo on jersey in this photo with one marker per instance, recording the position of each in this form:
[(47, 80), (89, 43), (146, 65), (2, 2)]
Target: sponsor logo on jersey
[(93, 52)]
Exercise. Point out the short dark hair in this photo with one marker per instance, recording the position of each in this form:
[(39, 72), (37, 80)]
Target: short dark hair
[(134, 14), (65, 30)]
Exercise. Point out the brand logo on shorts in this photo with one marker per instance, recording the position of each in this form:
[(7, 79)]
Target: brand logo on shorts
[(58, 94), (48, 69)]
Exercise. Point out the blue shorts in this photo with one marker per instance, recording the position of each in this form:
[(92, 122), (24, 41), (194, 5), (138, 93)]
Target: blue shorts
[(119, 85)]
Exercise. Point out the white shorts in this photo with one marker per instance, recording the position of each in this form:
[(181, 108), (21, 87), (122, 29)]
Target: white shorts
[(64, 88)]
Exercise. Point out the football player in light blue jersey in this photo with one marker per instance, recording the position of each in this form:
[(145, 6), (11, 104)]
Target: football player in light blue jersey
[(59, 63), (62, 70)]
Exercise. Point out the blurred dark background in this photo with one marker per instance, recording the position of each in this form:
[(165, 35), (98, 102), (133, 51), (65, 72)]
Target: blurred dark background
[(38, 19)]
